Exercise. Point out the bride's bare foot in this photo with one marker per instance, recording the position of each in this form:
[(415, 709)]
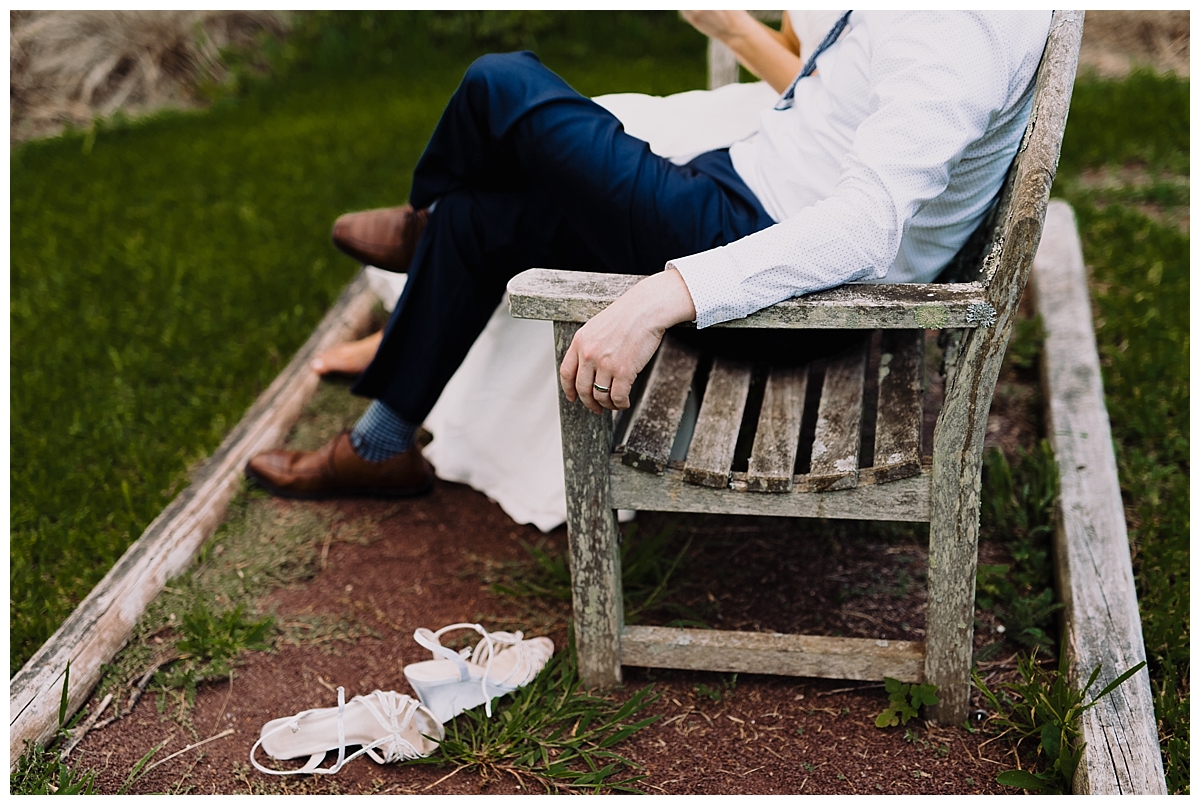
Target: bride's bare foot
[(350, 358)]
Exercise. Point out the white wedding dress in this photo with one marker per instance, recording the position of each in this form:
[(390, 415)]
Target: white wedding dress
[(495, 426)]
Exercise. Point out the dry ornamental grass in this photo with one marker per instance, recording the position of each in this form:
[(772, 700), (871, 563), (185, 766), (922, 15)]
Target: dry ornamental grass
[(1115, 42), (68, 67)]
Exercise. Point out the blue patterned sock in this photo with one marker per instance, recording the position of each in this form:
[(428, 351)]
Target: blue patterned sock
[(380, 434)]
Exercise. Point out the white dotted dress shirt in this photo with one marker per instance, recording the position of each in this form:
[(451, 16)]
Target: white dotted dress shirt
[(888, 159)]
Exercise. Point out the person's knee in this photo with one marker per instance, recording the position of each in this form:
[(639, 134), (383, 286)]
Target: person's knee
[(500, 66)]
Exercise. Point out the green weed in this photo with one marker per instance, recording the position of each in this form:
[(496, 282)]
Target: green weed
[(139, 769), (41, 770), (209, 644), (913, 737), (904, 701), (545, 575), (1047, 708), (718, 692), (551, 733), (206, 616)]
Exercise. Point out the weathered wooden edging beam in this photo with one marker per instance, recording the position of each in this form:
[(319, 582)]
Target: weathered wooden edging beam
[(102, 623), (1102, 626)]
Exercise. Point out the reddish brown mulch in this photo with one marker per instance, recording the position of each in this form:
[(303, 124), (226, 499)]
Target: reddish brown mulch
[(763, 734)]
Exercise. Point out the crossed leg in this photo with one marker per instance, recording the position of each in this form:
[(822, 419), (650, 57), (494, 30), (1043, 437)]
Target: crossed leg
[(524, 171)]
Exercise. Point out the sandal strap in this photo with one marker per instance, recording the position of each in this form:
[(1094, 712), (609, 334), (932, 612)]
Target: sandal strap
[(395, 713), (524, 665), (429, 640), (311, 766)]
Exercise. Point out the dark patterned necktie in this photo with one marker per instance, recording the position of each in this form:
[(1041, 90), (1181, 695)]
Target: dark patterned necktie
[(810, 66)]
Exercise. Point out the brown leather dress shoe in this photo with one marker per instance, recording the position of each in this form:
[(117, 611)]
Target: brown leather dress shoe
[(386, 238), (336, 471)]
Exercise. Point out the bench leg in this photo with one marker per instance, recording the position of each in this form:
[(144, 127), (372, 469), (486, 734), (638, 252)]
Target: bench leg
[(595, 542), (954, 521), (950, 614)]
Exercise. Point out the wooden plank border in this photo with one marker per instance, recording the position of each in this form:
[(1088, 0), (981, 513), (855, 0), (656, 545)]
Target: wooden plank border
[(1101, 624), (101, 624)]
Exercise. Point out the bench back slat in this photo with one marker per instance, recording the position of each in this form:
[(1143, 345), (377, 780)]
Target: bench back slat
[(710, 456), (654, 422), (898, 417), (777, 437), (839, 422)]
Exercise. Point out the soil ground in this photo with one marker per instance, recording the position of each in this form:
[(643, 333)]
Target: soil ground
[(752, 734)]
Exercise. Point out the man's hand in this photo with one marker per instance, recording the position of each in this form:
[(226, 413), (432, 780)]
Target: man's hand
[(619, 341)]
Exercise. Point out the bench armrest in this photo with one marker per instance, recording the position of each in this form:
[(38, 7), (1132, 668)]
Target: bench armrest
[(542, 293)]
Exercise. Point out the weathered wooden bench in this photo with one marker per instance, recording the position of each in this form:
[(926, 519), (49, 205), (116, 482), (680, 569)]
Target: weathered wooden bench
[(646, 462)]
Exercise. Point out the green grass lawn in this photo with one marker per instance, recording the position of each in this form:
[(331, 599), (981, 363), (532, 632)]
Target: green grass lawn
[(164, 272)]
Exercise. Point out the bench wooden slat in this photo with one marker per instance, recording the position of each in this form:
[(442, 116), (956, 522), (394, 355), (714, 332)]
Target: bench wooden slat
[(839, 422), (655, 421), (772, 653), (777, 438), (710, 456), (542, 293), (898, 421)]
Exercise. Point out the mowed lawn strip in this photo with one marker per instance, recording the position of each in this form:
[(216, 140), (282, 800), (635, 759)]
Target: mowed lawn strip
[(164, 272), (1125, 157)]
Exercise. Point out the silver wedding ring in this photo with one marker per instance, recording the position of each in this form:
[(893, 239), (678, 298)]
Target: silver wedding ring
[(598, 387)]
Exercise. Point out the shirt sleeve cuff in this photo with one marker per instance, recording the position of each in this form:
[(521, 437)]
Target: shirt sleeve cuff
[(712, 280)]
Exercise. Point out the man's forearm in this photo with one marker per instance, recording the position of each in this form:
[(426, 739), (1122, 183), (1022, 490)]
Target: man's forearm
[(770, 55), (764, 53)]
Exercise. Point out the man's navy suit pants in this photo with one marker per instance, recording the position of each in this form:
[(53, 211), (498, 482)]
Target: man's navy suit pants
[(526, 172)]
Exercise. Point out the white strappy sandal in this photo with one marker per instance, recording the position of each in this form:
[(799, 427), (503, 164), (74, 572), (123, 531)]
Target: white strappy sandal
[(502, 662), (393, 723)]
